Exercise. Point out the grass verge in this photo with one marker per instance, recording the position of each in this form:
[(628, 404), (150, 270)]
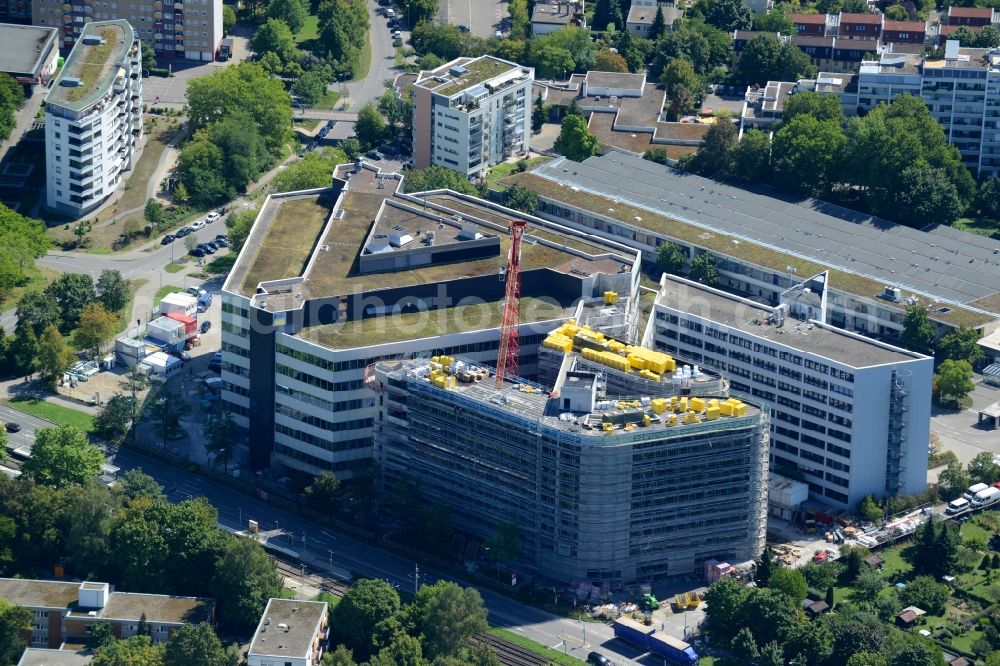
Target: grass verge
[(554, 656), (327, 102), (52, 412), (310, 29), (163, 291), (508, 168), (308, 124), (39, 277), (221, 265), (364, 60), (175, 266)]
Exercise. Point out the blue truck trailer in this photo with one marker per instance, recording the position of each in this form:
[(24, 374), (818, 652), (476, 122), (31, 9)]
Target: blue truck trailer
[(674, 650)]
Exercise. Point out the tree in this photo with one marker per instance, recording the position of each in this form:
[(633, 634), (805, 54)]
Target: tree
[(659, 25), (769, 615), (724, 601), (896, 13), (402, 651), (243, 149), (365, 604), (113, 420), (242, 87), (806, 154), (953, 480), (276, 37), (113, 291), (766, 58), (245, 578), (313, 170), (813, 642), (702, 45), (744, 647), (852, 557), (180, 193), (221, 435), (153, 213), (703, 269), (370, 127), (867, 585), (505, 542), (988, 198), (519, 197), (954, 380), (323, 494), (789, 582), (61, 457), (551, 61), (71, 292), (292, 12), (870, 510), (339, 657), (683, 88), (609, 61), (607, 12), (716, 151), (96, 327), (53, 354), (36, 310), (520, 18), (392, 108), (923, 195), (729, 15), (820, 107), (142, 629), (202, 169), (435, 178), (866, 659), (918, 330), (776, 20), (961, 344), (829, 598), (23, 354), (538, 114), (982, 469), (228, 19), (575, 140), (751, 157), (310, 87), (447, 616), (925, 592), (148, 57), (135, 651), (101, 633), (15, 627), (670, 258), (135, 483), (167, 408), (194, 644)]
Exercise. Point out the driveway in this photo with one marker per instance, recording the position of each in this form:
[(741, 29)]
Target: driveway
[(483, 17), (957, 430), (383, 65)]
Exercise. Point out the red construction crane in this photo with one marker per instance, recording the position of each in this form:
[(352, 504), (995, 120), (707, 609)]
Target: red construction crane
[(509, 340)]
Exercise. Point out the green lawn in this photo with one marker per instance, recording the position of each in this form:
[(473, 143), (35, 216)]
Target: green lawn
[(364, 62), (164, 290), (39, 277), (507, 168), (52, 412), (554, 656), (308, 124), (984, 226), (174, 266), (221, 265), (327, 102), (310, 29), (972, 530)]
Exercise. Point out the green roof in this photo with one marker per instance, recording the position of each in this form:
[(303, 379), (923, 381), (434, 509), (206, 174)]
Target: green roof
[(479, 70), (95, 65)]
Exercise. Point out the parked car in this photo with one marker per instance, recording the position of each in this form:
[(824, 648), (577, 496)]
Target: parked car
[(598, 659), (221, 242), (207, 248), (396, 34), (200, 224), (168, 239), (212, 217), (463, 27), (196, 292), (205, 325), (183, 231), (212, 245), (373, 155), (12, 427), (197, 252)]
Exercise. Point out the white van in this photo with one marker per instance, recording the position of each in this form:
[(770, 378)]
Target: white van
[(971, 492), (957, 506), (986, 497)]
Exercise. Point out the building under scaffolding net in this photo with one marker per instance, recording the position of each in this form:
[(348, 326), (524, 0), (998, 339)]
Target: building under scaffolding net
[(623, 490)]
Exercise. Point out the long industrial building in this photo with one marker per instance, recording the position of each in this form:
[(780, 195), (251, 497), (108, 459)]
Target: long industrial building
[(333, 280), (850, 414), (93, 118), (601, 488), (765, 243)]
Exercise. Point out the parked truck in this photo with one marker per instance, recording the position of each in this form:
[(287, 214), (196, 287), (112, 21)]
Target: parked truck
[(986, 497), (226, 49), (675, 651)]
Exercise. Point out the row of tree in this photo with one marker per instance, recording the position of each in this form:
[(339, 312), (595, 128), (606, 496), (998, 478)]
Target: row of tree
[(11, 101), (22, 240)]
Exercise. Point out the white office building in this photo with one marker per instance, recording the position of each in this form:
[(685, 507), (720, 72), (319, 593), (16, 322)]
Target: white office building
[(849, 414), (93, 118), (471, 113)]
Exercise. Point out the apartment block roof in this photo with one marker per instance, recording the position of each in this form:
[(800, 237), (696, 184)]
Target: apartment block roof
[(24, 47), (868, 19), (906, 26), (945, 268), (93, 64), (64, 595), (622, 80), (47, 657), (755, 319), (970, 12), (288, 628), (462, 74), (555, 13), (809, 19)]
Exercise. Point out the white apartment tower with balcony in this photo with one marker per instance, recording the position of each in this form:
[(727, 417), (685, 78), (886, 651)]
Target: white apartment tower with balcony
[(93, 118), (849, 414), (471, 113)]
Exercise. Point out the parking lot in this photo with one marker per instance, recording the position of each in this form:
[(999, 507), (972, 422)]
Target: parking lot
[(170, 91)]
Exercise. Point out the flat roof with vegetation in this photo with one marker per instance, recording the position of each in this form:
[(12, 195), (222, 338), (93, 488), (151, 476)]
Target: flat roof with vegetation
[(479, 70), (95, 65)]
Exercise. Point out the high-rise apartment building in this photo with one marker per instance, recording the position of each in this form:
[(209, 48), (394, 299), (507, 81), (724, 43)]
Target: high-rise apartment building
[(600, 489), (471, 113), (851, 414), (93, 118), (189, 29)]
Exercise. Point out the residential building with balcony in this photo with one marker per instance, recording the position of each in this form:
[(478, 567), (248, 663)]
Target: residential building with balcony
[(190, 29), (65, 612), (93, 118), (290, 633), (471, 113), (849, 414)]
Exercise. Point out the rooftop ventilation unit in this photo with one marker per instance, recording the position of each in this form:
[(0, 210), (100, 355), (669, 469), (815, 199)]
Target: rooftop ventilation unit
[(93, 40), (469, 232), (458, 70), (894, 294), (399, 236), (71, 82)]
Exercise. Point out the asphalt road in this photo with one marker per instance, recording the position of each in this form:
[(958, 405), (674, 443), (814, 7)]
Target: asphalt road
[(382, 66), (29, 424), (340, 555)]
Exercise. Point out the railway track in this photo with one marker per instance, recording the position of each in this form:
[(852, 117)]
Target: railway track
[(509, 653)]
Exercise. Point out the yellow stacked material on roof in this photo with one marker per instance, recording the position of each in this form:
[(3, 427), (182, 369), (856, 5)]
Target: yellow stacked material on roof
[(441, 381), (628, 404), (559, 342), (434, 359), (691, 417), (740, 410), (684, 404), (646, 420), (647, 359), (649, 374), (697, 404), (607, 426), (674, 403), (659, 405), (712, 413), (445, 361), (692, 600), (606, 358), (672, 420), (727, 406), (615, 346), (629, 426), (610, 297)]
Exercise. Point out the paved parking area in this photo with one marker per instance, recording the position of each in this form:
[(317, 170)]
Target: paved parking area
[(170, 91), (957, 430), (483, 17)]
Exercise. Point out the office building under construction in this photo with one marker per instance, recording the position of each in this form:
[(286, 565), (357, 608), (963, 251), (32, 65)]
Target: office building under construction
[(603, 488)]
